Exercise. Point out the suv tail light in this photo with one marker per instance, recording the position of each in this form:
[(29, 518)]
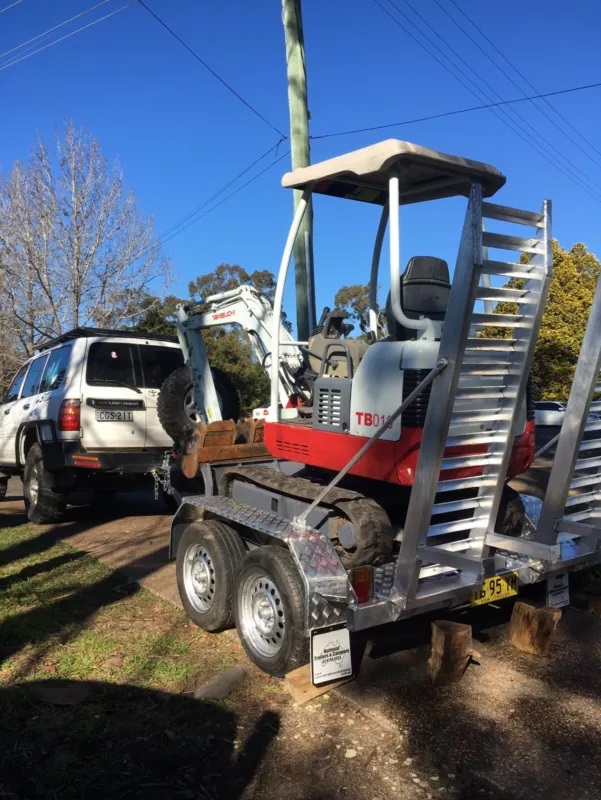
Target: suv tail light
[(69, 416)]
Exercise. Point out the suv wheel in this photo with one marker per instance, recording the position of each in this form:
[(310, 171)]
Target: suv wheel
[(42, 503), (176, 407)]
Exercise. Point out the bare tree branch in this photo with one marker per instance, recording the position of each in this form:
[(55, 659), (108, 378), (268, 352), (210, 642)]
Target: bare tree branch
[(70, 236)]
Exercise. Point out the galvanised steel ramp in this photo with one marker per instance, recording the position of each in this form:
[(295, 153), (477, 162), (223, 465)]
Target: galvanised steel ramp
[(571, 511), (476, 403)]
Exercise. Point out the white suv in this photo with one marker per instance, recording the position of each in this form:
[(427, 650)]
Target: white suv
[(82, 415)]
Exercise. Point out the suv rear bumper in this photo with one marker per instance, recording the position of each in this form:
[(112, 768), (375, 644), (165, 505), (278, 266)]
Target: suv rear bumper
[(59, 455), (115, 462)]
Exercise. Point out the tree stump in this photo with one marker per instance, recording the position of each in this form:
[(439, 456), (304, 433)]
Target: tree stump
[(451, 651), (532, 627)]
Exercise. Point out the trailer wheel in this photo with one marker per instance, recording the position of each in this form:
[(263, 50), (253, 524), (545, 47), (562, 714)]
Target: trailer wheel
[(208, 556), (176, 406), (42, 503), (269, 605)]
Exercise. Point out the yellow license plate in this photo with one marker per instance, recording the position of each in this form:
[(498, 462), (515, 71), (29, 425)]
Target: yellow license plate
[(496, 588)]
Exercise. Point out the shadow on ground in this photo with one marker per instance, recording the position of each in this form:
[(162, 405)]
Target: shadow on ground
[(517, 727), (123, 742), (64, 615), (77, 520)]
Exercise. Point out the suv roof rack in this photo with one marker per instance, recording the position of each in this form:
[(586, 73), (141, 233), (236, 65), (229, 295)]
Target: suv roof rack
[(84, 333)]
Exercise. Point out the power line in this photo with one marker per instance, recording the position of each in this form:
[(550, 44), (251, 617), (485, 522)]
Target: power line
[(56, 27), (525, 79), (458, 111), (229, 196), (67, 36), (508, 114), (220, 191), (194, 215), (221, 80), (478, 93), (511, 80), (12, 5)]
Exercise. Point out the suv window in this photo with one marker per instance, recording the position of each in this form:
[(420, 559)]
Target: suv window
[(56, 369), (15, 387), (32, 382), (158, 363), (111, 364), (549, 406)]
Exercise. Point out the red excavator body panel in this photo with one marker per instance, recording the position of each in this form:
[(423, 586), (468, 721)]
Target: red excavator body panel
[(391, 462)]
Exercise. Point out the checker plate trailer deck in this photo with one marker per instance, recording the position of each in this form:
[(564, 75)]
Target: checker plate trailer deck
[(386, 494)]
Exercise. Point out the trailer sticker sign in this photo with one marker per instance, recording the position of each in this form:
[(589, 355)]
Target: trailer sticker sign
[(558, 590), (330, 655)]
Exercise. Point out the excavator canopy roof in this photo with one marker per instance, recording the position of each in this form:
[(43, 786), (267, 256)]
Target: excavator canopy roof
[(424, 174)]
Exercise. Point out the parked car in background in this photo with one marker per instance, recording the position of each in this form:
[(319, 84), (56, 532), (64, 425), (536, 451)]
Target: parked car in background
[(81, 415), (549, 412)]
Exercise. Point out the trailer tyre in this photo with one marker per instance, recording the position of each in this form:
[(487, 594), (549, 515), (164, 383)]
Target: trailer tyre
[(176, 407), (42, 503), (269, 605), (208, 556)]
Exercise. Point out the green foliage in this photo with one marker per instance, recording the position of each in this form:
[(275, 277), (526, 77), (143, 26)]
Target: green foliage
[(354, 300), (157, 316), (230, 350), (230, 276), (575, 274)]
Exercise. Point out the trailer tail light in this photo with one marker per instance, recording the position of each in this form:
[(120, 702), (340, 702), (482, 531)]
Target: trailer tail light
[(362, 580), (69, 416)]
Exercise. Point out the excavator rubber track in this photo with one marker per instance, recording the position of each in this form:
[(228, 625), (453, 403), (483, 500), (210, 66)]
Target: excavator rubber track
[(373, 530)]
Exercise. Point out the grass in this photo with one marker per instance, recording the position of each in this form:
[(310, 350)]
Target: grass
[(134, 729), (65, 615)]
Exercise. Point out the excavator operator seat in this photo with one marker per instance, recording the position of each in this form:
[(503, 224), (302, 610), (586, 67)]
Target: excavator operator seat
[(330, 353), (425, 289)]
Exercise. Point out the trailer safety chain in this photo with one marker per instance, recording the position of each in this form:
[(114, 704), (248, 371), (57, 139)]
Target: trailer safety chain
[(301, 521)]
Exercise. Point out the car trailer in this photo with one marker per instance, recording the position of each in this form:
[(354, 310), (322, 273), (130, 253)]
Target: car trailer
[(388, 496)]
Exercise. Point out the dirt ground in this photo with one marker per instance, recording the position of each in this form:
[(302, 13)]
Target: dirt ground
[(515, 727)]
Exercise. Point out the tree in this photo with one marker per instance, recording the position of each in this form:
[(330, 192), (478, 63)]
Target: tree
[(575, 275), (74, 248), (157, 315), (230, 276), (355, 301)]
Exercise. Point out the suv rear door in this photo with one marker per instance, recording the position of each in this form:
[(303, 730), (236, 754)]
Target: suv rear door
[(113, 409), (158, 361)]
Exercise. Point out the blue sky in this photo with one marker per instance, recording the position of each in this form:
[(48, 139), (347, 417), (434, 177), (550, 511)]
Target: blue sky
[(181, 136)]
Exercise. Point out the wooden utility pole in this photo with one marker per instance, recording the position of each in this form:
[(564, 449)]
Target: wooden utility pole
[(299, 145)]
